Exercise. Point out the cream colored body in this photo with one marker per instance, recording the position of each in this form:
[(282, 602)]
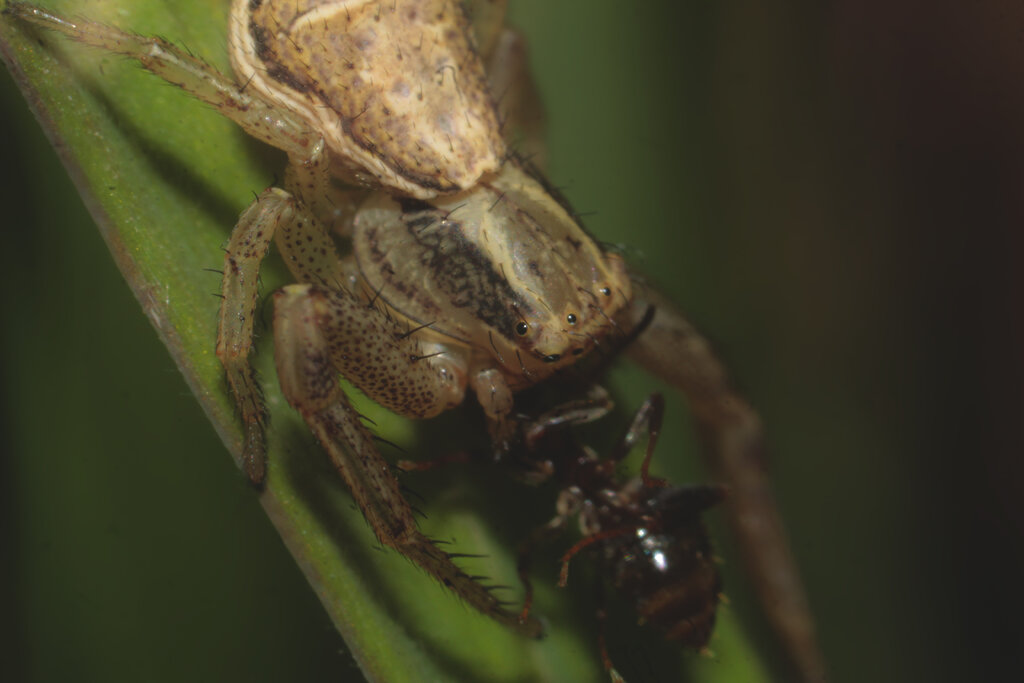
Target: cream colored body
[(456, 240)]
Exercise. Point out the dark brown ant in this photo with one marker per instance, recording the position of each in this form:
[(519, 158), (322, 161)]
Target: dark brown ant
[(646, 536)]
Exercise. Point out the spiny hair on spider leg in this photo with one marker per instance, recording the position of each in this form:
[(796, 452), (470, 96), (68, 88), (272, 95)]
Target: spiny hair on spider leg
[(336, 286), (451, 211), (263, 309), (364, 418), (452, 556), (406, 491), (414, 330), (429, 355), (496, 202), (381, 439), (245, 85), (372, 302)]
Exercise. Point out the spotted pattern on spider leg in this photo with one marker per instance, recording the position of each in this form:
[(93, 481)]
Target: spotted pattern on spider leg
[(373, 353)]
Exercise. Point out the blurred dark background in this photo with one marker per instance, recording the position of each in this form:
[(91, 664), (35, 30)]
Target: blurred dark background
[(837, 191)]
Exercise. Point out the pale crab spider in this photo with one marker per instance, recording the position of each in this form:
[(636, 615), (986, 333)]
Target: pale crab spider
[(465, 272)]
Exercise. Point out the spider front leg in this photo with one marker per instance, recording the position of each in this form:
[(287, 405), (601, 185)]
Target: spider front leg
[(310, 256), (246, 249), (263, 120), (672, 348), (272, 211), (519, 104), (321, 333)]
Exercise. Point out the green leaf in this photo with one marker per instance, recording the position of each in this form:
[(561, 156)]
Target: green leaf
[(164, 178)]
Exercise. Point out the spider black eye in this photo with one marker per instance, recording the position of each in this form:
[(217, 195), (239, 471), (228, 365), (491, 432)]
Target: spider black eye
[(571, 318), (522, 328), (606, 291)]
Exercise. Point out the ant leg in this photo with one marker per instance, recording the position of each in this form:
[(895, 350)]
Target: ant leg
[(646, 421), (541, 534), (601, 616), (576, 412), (563, 575)]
